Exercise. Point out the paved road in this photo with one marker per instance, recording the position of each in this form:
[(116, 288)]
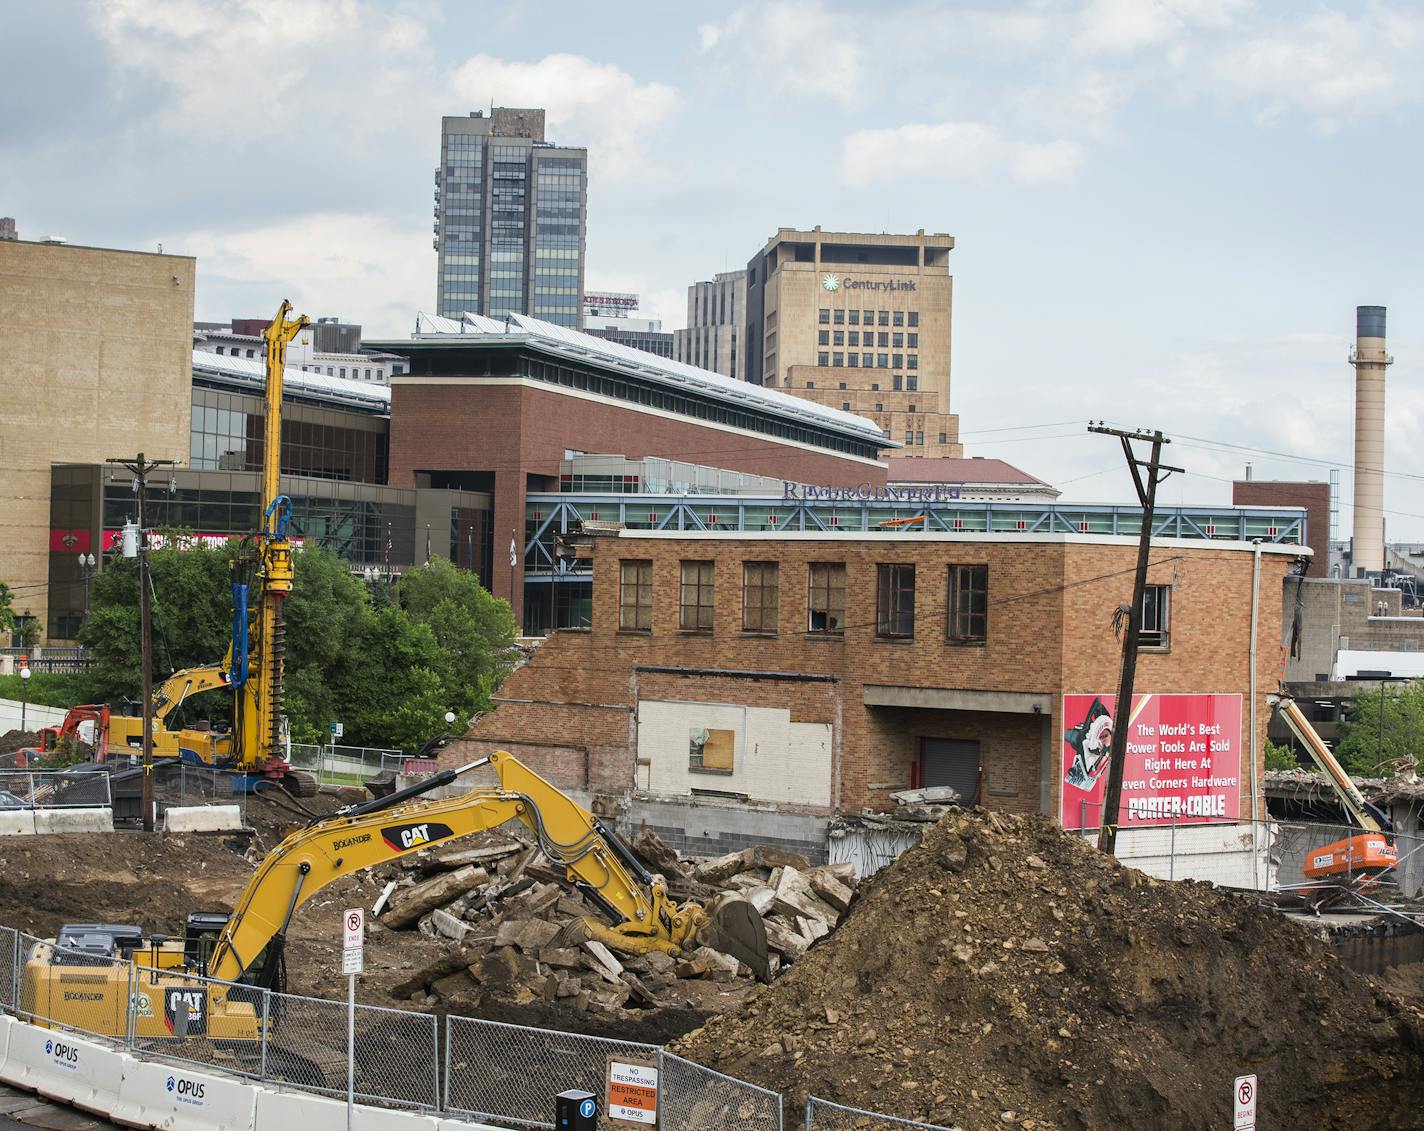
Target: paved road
[(21, 1111)]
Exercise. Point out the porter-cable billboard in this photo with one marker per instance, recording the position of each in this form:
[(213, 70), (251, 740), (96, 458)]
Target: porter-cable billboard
[(1183, 759)]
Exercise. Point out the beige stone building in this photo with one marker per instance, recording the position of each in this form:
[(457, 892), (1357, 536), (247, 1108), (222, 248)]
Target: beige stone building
[(95, 362), (716, 334), (860, 322)]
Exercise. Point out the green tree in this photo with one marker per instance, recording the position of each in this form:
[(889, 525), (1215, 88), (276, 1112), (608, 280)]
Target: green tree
[(473, 630), (1402, 729), (1280, 757), (7, 615)]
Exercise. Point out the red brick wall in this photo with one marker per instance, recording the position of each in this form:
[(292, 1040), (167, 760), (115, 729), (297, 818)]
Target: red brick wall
[(517, 432), (1314, 497), (1050, 633)]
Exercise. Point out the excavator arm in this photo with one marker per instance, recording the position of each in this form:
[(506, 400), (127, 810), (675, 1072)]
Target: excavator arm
[(640, 915), (174, 691), (1362, 813)]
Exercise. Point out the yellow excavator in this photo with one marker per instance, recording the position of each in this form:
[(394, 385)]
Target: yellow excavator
[(255, 662), (81, 979)]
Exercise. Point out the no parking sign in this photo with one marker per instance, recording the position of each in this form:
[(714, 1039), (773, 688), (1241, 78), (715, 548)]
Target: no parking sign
[(1244, 1101)]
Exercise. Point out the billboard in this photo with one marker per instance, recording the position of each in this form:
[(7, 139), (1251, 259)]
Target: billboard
[(1183, 761)]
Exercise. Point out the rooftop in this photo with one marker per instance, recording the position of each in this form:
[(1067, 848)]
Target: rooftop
[(476, 331), (970, 471), (364, 396)]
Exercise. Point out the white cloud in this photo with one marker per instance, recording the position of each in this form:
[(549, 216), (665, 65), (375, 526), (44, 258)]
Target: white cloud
[(956, 151), (795, 46), (587, 103), (363, 268), (1333, 66)]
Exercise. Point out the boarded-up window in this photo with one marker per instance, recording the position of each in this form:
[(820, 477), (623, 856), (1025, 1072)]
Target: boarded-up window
[(710, 751)]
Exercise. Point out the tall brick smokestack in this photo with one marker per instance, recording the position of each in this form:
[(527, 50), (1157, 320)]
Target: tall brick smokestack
[(1369, 359)]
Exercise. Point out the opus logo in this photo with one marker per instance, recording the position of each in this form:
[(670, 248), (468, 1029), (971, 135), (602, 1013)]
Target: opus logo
[(65, 1055), (185, 1090)]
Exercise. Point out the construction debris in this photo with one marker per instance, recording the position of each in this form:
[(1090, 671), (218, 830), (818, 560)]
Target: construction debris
[(1004, 973), (521, 935)]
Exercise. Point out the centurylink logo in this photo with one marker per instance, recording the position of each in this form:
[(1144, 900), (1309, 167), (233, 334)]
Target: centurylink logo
[(831, 282)]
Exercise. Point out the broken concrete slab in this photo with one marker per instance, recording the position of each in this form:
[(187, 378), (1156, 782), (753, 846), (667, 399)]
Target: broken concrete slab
[(830, 890), (529, 935), (409, 905), (604, 956), (449, 926)]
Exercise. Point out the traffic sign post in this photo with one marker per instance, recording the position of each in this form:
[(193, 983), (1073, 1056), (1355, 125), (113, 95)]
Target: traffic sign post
[(353, 962), (1243, 1097)]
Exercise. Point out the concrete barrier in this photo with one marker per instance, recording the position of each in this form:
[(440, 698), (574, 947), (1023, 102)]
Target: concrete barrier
[(279, 1109), (17, 822), (202, 819), (6, 1021), (74, 820), (63, 1067), (165, 1096)]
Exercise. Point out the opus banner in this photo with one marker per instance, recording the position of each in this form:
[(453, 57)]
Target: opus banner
[(1183, 761)]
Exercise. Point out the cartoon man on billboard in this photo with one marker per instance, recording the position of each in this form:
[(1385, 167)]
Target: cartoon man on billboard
[(1091, 741)]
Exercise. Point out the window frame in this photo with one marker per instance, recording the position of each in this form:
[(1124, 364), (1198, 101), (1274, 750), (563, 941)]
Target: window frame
[(890, 593), (762, 609), (826, 580), (704, 586), (1159, 637), (640, 610), (959, 621)]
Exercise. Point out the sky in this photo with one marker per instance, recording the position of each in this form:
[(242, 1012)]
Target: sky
[(1165, 211)]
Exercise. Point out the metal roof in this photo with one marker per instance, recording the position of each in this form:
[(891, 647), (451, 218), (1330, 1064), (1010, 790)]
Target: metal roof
[(363, 395), (561, 340)]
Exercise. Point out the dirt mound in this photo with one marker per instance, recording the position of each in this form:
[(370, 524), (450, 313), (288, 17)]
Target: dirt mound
[(13, 740), (1004, 973), (152, 881)]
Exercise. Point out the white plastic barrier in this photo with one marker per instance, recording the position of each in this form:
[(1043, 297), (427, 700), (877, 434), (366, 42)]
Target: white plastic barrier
[(6, 1021), (281, 1109), (165, 1096), (202, 818), (63, 1067), (17, 822), (94, 820)]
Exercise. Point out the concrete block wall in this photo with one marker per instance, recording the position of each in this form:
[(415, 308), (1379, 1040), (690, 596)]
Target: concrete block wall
[(698, 829)]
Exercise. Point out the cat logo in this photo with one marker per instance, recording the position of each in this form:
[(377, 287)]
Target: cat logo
[(403, 838), (190, 1003)]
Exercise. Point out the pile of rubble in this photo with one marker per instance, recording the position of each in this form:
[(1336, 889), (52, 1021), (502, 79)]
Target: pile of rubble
[(1005, 973), (519, 940)]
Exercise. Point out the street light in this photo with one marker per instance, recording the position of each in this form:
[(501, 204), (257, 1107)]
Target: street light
[(449, 717), (24, 688), (86, 567)]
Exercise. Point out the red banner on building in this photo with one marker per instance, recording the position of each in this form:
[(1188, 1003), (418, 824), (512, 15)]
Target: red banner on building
[(1183, 759), (65, 541)]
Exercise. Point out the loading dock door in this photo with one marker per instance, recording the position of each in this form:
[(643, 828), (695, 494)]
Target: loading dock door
[(953, 762)]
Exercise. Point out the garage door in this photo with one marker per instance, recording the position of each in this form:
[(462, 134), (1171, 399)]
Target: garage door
[(952, 762)]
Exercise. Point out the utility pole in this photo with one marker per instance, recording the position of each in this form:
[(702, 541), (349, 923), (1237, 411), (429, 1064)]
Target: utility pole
[(139, 467), (1122, 711)]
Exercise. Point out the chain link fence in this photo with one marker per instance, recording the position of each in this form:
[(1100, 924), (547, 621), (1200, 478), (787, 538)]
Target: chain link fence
[(486, 1070), (345, 765), (693, 1098), (822, 1115), (54, 789), (511, 1073)]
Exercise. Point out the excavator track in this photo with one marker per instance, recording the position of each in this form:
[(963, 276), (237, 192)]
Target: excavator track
[(299, 783)]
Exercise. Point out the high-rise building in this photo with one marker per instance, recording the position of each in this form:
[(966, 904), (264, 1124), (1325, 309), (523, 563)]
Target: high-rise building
[(716, 336), (511, 214), (859, 322), (607, 315), (7, 228)]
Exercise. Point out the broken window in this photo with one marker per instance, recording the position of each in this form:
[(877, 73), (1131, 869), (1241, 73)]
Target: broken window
[(696, 600), (1156, 609), (760, 596), (710, 751), (894, 600), (826, 598), (635, 595), (968, 619)]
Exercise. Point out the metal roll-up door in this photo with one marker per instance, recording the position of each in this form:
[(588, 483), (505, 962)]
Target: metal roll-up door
[(953, 762)]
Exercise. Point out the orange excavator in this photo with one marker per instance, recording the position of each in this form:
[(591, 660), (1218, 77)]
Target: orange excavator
[(1357, 861)]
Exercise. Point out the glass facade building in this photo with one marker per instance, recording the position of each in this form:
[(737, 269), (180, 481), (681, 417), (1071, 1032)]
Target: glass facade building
[(510, 219)]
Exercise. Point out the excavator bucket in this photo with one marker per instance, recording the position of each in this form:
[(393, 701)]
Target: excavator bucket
[(735, 927)]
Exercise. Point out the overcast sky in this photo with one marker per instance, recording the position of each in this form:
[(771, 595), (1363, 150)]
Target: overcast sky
[(1165, 211)]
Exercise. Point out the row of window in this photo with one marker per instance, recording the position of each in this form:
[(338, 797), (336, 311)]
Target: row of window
[(966, 610), (855, 360), (827, 317), (838, 338)]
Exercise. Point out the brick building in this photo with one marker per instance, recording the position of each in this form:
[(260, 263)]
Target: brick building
[(1314, 497), (736, 686)]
